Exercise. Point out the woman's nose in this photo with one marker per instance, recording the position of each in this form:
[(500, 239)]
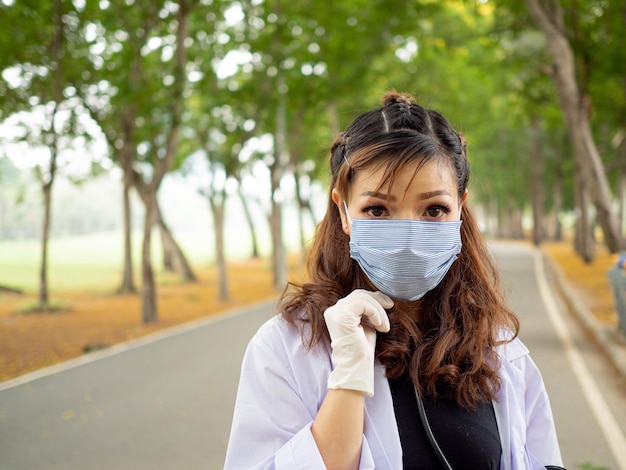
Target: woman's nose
[(406, 214)]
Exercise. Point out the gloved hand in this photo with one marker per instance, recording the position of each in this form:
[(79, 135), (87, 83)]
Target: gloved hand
[(353, 344)]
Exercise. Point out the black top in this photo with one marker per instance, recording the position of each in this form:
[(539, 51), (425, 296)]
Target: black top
[(469, 439)]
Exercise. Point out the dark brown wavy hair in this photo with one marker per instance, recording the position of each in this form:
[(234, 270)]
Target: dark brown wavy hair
[(450, 352)]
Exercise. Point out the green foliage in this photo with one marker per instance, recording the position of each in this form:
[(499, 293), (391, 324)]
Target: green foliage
[(597, 35), (482, 63), (45, 53)]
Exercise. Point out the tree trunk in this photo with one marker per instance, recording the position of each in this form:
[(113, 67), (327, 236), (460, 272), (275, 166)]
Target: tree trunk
[(498, 229), (278, 248), (311, 213), (277, 172), (301, 198), (125, 157), (167, 248), (492, 217), (621, 183), (149, 312), (45, 234), (51, 138), (217, 203), (621, 198), (301, 204), (170, 246), (557, 204), (128, 283), (518, 226), (161, 166), (583, 242), (549, 18), (536, 181), (510, 224), (250, 221), (178, 259)]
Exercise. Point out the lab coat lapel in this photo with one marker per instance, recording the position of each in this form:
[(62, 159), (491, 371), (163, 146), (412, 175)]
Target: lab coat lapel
[(381, 429)]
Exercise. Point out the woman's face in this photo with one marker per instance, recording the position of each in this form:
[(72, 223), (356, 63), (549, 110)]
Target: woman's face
[(431, 194)]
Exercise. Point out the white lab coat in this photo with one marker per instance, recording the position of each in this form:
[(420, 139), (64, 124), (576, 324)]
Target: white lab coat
[(283, 384)]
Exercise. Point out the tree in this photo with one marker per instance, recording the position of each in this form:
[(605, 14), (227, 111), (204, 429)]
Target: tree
[(592, 178), (163, 138), (119, 34), (220, 136), (600, 47), (140, 109), (45, 69)]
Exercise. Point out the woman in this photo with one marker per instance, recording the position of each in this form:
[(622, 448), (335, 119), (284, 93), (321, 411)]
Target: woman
[(400, 352)]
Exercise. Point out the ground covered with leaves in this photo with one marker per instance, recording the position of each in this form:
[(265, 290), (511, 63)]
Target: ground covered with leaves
[(85, 322), (589, 281), (29, 341)]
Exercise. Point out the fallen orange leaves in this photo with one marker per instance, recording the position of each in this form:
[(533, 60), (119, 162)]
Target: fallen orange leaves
[(590, 281), (31, 341)]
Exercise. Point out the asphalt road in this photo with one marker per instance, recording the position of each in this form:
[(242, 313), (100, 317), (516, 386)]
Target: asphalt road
[(165, 402), (587, 395)]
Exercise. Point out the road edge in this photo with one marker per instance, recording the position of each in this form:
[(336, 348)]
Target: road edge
[(119, 348), (608, 339)]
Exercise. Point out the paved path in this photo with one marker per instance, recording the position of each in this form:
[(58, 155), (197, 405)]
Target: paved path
[(586, 435), (160, 405), (167, 403)]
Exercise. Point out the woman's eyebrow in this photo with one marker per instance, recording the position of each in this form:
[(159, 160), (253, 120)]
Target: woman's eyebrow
[(431, 194), (378, 195), (420, 196)]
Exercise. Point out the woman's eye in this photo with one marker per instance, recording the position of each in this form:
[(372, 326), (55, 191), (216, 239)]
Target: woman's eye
[(375, 211), (436, 211)]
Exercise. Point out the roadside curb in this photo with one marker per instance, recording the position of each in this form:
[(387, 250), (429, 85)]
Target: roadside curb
[(609, 339), (118, 348)]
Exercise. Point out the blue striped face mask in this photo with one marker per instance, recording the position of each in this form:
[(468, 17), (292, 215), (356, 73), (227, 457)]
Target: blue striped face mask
[(404, 258)]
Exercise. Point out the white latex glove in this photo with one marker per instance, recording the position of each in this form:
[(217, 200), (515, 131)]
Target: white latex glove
[(353, 344)]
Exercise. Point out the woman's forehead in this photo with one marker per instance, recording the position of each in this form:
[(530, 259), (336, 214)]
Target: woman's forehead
[(431, 172)]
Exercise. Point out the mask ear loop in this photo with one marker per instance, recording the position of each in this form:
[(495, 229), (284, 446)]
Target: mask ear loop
[(345, 206)]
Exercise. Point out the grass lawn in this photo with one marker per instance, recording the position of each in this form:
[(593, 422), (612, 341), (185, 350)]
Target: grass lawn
[(81, 263)]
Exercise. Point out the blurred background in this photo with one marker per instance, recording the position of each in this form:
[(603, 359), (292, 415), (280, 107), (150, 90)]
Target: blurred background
[(149, 146)]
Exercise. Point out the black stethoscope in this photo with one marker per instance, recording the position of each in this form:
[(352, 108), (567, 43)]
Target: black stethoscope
[(433, 441), (429, 432)]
